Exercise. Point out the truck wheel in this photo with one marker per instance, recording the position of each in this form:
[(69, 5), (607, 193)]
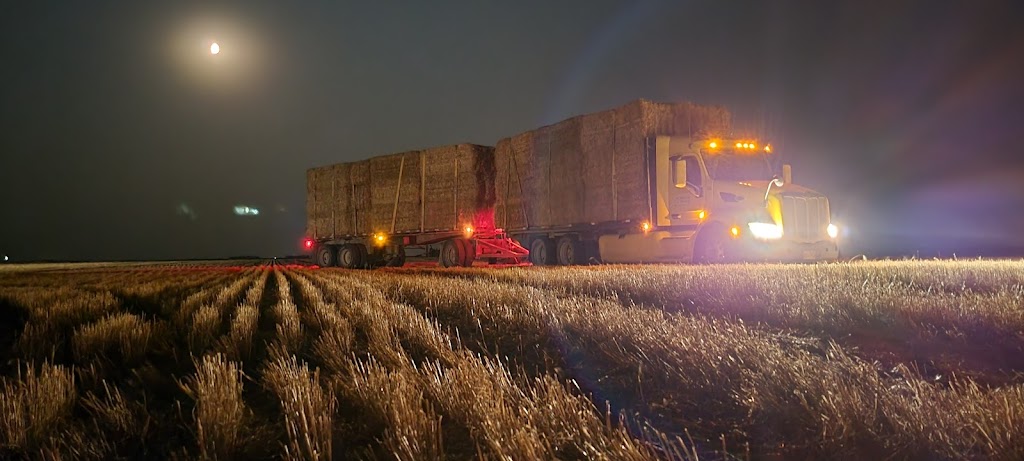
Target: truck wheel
[(350, 257), (712, 247), (325, 256), (568, 251), (542, 251)]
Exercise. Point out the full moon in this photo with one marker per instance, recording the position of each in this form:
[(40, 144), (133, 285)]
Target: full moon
[(215, 48)]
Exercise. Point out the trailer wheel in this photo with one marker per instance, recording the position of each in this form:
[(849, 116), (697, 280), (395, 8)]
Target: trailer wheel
[(542, 251), (568, 251), (468, 252), (713, 246), (349, 256), (452, 253), (325, 256)]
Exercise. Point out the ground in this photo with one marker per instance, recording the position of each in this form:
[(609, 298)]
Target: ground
[(901, 359)]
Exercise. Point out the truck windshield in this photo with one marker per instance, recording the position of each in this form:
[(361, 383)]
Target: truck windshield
[(738, 167)]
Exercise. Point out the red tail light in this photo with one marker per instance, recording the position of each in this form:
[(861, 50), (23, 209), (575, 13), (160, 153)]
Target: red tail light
[(308, 244)]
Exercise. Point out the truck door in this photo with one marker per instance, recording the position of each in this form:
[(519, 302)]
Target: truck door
[(686, 191)]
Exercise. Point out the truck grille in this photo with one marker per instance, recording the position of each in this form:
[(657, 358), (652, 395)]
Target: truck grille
[(804, 217)]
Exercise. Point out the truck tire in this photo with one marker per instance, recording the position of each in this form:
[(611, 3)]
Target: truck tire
[(542, 251), (326, 256), (568, 251), (713, 246), (350, 257)]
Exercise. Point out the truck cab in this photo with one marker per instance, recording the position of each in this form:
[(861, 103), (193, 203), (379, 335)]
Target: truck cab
[(719, 200)]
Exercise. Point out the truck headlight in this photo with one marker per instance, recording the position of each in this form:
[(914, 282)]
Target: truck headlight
[(832, 231), (765, 231)]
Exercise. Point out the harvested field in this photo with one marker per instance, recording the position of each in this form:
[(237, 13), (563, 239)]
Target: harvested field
[(902, 360)]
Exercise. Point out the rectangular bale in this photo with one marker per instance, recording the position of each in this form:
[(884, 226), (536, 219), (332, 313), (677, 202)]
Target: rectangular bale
[(359, 174), (395, 193)]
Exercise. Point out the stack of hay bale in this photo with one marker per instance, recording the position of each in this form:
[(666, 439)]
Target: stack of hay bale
[(590, 169), (437, 189)]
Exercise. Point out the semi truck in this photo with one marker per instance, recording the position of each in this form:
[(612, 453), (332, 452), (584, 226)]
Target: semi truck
[(641, 183)]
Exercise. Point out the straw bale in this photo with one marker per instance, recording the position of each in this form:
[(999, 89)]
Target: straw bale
[(458, 180), (360, 198), (385, 173), (510, 163), (342, 199), (566, 197), (440, 190)]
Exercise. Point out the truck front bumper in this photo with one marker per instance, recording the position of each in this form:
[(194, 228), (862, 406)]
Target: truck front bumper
[(788, 250)]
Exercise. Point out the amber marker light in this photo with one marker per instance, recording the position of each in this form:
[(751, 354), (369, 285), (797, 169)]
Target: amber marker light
[(645, 226), (701, 215), (734, 231), (768, 148), (713, 145), (468, 231)]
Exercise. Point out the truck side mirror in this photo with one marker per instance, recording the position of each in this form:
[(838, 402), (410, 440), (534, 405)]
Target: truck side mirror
[(679, 172), (787, 174)]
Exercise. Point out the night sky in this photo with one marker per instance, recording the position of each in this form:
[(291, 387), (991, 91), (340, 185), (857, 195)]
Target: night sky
[(122, 137)]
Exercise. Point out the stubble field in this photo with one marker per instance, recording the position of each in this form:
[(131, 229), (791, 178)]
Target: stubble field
[(910, 359)]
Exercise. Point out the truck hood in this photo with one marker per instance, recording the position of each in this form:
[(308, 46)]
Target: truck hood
[(753, 191)]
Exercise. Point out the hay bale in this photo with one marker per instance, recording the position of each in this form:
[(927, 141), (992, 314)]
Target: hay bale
[(318, 202), (359, 174), (395, 176), (342, 199)]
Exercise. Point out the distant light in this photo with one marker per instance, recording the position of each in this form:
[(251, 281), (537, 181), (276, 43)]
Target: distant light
[(833, 230), (713, 145), (735, 231), (739, 145), (215, 48), (645, 226), (242, 210), (768, 148), (6, 258), (753, 146)]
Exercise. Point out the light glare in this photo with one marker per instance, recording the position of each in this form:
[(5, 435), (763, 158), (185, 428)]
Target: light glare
[(214, 48), (765, 231), (833, 230)]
